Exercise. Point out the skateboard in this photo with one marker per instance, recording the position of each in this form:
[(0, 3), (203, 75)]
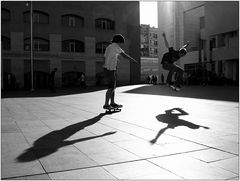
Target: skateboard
[(174, 88), (113, 109)]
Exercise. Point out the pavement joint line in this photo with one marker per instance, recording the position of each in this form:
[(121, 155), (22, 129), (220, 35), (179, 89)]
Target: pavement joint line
[(104, 165), (31, 149), (76, 106), (203, 145), (219, 160), (166, 169), (124, 149), (7, 178), (147, 129), (234, 178), (168, 135)]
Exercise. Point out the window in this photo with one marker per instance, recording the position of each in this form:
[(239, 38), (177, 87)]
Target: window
[(6, 16), (221, 40), (39, 44), (202, 22), (72, 46), (6, 43), (101, 47), (233, 34), (104, 24), (212, 43), (38, 17), (71, 20)]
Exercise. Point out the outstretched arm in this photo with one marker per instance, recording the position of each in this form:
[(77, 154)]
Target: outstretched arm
[(181, 111), (186, 45), (165, 40), (124, 55)]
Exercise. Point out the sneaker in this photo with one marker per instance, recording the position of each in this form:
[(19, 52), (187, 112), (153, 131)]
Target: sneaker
[(106, 107), (116, 105), (177, 88)]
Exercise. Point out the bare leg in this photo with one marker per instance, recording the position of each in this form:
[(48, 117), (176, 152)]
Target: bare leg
[(113, 97), (108, 96)]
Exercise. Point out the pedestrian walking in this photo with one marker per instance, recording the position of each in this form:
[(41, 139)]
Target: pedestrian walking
[(110, 68), (52, 80), (83, 80), (162, 78), (168, 63)]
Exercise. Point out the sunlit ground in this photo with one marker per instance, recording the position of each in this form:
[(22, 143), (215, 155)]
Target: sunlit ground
[(159, 134)]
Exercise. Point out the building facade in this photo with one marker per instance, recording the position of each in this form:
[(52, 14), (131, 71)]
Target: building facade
[(71, 36), (149, 51), (213, 31), (149, 41)]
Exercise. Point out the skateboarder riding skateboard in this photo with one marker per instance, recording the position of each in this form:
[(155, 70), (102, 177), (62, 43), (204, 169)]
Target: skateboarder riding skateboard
[(168, 63), (110, 68)]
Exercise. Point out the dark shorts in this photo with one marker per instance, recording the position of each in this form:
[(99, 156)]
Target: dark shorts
[(111, 77)]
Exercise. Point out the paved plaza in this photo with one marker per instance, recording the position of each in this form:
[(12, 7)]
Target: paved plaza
[(159, 134)]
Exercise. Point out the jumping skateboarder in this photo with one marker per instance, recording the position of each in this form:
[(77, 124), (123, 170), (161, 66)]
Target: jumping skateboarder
[(168, 63)]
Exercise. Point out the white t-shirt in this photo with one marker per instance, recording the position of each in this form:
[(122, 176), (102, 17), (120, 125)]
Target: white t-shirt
[(111, 56)]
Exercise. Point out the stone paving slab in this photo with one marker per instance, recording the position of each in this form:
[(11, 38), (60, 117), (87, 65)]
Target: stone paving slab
[(71, 136), (190, 168), (89, 173), (139, 169)]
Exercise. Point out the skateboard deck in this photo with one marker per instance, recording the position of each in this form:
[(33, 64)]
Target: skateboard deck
[(174, 88), (113, 109)]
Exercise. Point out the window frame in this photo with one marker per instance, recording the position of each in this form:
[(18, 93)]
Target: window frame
[(102, 49), (40, 15), (72, 20), (4, 10), (6, 43), (73, 46), (104, 24), (38, 43)]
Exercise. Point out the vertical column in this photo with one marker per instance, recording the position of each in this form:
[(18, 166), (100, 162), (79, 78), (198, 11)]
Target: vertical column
[(55, 43), (90, 62), (17, 64), (208, 53), (17, 69), (17, 41)]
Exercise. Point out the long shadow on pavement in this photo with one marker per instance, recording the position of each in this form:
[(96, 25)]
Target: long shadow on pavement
[(54, 140), (172, 120), (222, 93)]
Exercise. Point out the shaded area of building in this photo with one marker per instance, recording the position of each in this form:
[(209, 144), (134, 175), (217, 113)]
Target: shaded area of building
[(223, 93), (213, 31), (72, 38)]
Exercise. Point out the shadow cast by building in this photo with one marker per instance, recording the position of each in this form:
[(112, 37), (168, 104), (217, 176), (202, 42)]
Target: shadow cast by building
[(222, 93)]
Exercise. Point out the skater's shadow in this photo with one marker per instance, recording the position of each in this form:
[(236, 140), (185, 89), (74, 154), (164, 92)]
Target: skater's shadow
[(54, 140), (171, 118)]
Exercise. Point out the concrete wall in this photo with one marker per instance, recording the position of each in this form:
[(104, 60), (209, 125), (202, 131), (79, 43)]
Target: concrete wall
[(181, 22), (221, 16), (124, 14)]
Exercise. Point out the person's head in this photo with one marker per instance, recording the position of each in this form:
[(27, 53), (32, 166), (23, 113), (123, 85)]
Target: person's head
[(182, 52), (118, 38)]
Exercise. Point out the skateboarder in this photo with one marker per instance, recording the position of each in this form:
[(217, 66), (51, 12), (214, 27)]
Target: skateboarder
[(110, 68), (168, 63)]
